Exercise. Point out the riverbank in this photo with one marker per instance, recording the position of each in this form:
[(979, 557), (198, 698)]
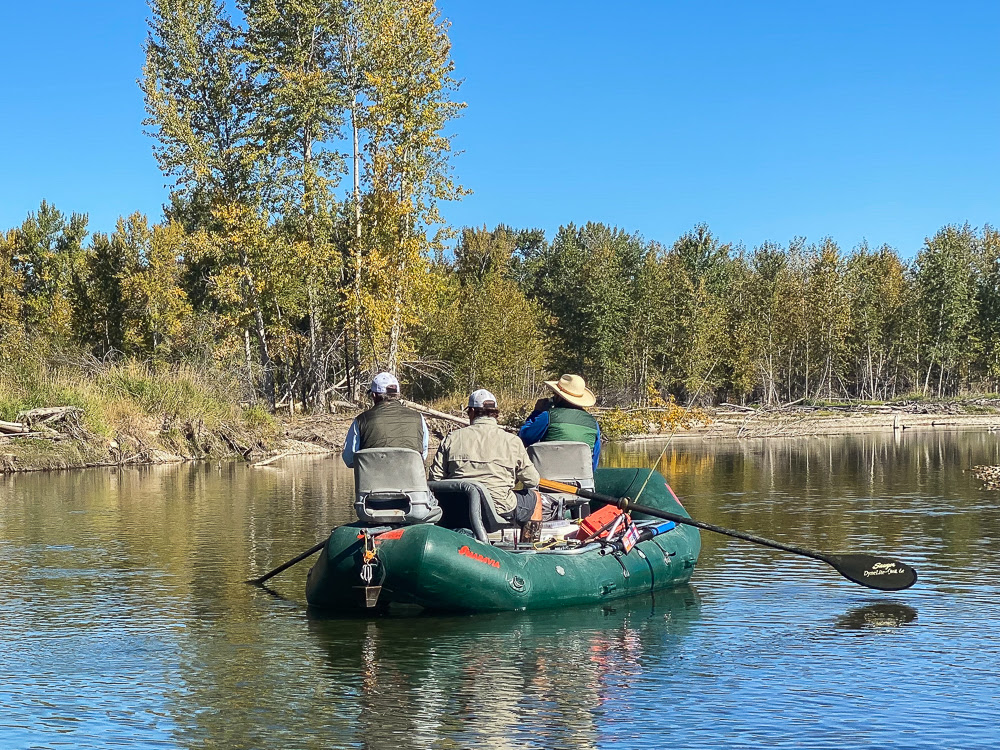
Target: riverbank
[(68, 441), (739, 422), (76, 412)]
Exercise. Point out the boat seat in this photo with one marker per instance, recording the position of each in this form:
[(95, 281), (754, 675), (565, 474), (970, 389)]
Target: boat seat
[(390, 487), (468, 505), (567, 462)]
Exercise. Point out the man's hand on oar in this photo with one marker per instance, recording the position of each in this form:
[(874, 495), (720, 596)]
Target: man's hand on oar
[(873, 571)]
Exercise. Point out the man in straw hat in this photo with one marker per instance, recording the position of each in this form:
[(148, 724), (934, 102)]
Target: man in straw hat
[(483, 452), (388, 424), (563, 416)]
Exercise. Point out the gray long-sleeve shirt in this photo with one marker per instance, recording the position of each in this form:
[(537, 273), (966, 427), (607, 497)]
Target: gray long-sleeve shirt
[(484, 453)]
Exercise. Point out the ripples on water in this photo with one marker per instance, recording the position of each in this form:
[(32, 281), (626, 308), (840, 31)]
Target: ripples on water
[(124, 621)]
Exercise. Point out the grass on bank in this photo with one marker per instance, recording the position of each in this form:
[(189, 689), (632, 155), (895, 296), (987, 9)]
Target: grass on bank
[(158, 406)]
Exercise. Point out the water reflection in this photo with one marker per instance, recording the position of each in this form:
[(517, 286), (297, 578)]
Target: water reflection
[(907, 495), (499, 680), (124, 619), (877, 615)]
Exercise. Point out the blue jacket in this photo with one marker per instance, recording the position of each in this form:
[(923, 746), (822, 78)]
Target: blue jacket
[(537, 425)]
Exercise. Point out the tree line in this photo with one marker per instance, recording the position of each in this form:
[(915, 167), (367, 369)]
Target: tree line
[(308, 150), (506, 308)]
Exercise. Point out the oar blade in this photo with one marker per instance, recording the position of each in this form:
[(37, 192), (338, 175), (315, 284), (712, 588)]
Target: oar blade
[(873, 571)]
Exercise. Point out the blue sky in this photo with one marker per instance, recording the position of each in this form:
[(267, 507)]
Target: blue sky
[(766, 120)]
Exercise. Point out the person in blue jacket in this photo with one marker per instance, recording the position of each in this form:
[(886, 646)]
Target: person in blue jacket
[(563, 416)]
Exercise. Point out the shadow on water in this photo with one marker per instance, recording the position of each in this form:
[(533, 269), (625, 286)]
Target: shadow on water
[(501, 679), (877, 615)]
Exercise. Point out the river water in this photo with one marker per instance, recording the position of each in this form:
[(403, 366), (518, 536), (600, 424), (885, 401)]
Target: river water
[(124, 622)]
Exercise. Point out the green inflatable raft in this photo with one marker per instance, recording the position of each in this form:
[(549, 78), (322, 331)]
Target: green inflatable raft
[(366, 567)]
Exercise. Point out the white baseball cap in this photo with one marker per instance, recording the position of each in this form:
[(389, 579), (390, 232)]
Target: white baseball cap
[(384, 382), (482, 399)]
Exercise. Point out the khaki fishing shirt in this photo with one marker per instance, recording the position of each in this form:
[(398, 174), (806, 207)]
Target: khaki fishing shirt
[(484, 453)]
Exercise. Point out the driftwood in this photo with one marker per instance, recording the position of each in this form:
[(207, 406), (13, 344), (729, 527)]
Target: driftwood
[(13, 427), (48, 414), (738, 407), (44, 435), (272, 459), (435, 413)]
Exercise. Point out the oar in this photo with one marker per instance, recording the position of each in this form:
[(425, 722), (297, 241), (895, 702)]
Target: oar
[(873, 571), (286, 565)]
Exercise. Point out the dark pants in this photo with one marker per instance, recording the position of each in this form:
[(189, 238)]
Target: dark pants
[(526, 500), (521, 514)]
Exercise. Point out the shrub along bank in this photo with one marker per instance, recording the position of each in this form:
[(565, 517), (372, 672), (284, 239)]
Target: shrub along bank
[(126, 412)]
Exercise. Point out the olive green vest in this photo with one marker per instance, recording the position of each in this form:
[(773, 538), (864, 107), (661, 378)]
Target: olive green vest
[(390, 425), (571, 424)]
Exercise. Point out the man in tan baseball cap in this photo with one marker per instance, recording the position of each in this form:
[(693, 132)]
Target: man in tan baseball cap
[(563, 416)]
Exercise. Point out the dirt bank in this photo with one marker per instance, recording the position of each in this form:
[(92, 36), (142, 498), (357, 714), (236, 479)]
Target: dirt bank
[(65, 443), (68, 444)]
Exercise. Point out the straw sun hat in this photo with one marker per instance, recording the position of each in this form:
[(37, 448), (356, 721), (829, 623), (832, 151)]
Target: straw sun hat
[(574, 389)]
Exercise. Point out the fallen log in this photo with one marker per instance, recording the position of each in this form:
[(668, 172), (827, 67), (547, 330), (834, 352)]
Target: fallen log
[(272, 459), (48, 414), (739, 407), (435, 413), (13, 427)]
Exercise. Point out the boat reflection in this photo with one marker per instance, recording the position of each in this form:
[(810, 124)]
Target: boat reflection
[(877, 615), (498, 680)]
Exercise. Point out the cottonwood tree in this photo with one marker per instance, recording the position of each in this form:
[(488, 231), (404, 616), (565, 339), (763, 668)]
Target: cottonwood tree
[(828, 315), (946, 297), (12, 330), (201, 102), (408, 102), (988, 305), (877, 288), (130, 299), (495, 340), (294, 52), (47, 250), (708, 264)]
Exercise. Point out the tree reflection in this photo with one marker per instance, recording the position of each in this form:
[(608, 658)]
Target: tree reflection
[(879, 491), (501, 680)]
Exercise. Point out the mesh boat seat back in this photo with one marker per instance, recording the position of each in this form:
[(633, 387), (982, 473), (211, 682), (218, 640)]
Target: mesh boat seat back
[(567, 462), (390, 487), (468, 505)]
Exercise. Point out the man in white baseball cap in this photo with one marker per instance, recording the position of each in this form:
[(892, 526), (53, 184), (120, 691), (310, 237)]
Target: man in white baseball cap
[(388, 424), (485, 453)]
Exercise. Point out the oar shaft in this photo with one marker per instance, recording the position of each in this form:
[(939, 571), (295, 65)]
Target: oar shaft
[(625, 504), (290, 563), (873, 571)]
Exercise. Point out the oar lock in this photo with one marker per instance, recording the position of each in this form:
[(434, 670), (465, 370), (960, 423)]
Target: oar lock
[(369, 561)]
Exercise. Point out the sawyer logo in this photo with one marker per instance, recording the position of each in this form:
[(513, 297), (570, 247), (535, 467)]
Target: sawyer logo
[(883, 569)]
